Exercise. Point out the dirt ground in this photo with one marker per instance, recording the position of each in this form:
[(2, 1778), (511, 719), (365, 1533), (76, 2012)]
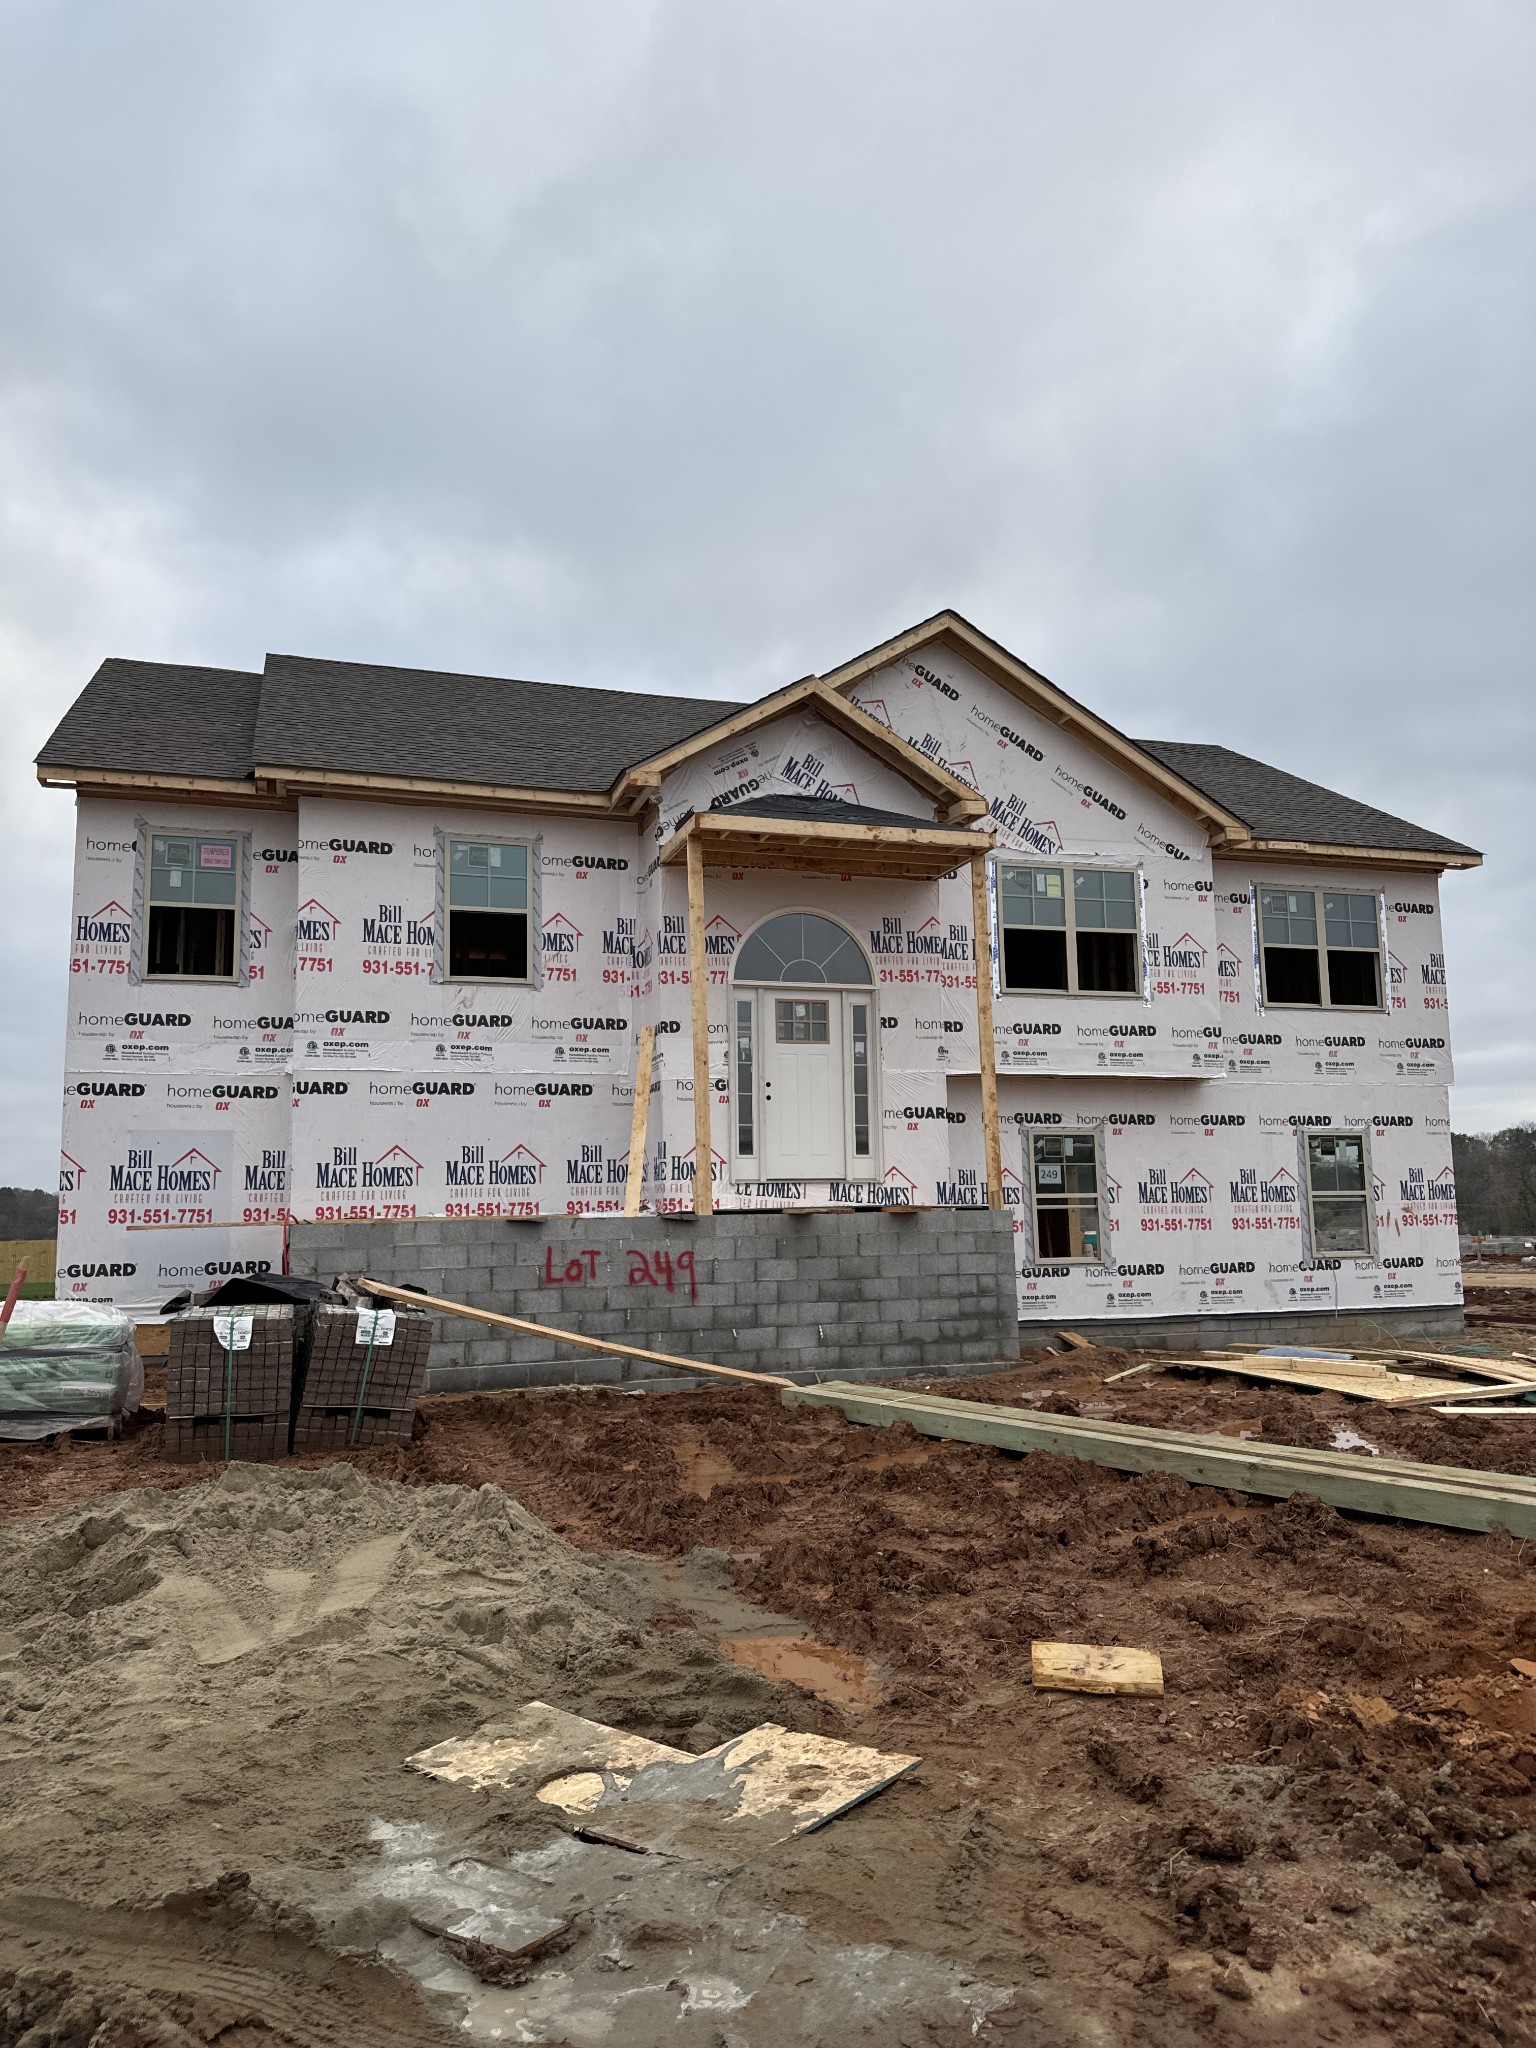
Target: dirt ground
[(1325, 1832)]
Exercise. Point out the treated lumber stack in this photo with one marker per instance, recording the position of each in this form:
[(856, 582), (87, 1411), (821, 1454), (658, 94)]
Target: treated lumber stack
[(364, 1377), (1444, 1494), (228, 1383)]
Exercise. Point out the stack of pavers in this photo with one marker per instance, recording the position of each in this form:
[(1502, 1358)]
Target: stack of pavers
[(365, 1373), (229, 1382)]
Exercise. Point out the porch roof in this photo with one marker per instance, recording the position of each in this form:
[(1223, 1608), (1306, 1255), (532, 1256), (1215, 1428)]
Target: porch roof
[(820, 835)]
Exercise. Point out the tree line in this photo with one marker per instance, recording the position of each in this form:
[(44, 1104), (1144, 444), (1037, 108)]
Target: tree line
[(1496, 1181)]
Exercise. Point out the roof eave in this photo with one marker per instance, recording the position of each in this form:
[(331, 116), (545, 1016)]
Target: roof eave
[(1425, 860)]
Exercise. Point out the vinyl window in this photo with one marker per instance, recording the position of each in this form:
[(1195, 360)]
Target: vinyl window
[(488, 916), (1320, 949), (1064, 1190), (1069, 931), (1339, 1194), (193, 907)]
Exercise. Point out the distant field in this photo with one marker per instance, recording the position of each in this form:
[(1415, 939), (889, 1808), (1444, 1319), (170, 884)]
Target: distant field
[(39, 1255)]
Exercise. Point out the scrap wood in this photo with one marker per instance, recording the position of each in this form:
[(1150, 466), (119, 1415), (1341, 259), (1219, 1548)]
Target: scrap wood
[(1129, 1372), (643, 1795), (1449, 1496), (1523, 1666), (1364, 1379), (1520, 1389), (485, 1315), (1477, 1368), (488, 1960), (1076, 1340), (1087, 1667)]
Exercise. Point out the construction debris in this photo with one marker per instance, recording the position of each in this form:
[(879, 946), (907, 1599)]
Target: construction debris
[(1363, 1378), (1085, 1667), (771, 1783)]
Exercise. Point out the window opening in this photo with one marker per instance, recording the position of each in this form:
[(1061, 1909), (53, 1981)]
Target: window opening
[(1340, 1194), (799, 946), (746, 1107), (1304, 955), (800, 1023), (1064, 1179), (860, 1019), (194, 895), (1070, 931), (487, 912)]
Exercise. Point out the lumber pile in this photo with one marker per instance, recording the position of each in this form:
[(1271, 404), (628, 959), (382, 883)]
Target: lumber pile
[(1448, 1495), (1368, 1376)]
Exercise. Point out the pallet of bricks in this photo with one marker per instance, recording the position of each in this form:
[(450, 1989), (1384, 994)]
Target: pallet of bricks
[(365, 1374), (229, 1383)]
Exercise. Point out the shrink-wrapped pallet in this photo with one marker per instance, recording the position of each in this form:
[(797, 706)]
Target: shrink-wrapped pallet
[(66, 1365)]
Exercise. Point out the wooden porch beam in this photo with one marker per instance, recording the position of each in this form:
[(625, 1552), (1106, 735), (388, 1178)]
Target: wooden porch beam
[(698, 1003), (981, 924)]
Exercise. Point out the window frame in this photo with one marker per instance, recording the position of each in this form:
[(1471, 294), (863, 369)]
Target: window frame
[(1070, 869), (1367, 1195), (239, 841), (1321, 949), (451, 839), (1101, 1260)]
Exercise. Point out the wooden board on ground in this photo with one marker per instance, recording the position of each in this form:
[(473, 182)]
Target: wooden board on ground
[(1450, 1496), (763, 1787), (1088, 1667), (534, 1744), (1077, 1341)]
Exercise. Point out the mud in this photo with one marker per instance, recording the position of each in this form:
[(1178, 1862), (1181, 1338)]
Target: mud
[(1322, 1833)]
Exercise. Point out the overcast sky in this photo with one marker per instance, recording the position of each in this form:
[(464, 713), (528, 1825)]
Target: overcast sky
[(1186, 347)]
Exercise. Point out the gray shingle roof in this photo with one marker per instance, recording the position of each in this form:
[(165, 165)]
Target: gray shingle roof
[(1275, 805), (158, 717), (827, 810), (370, 720), (166, 718)]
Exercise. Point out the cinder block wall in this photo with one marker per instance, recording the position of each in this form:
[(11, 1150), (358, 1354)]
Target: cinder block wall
[(837, 1294)]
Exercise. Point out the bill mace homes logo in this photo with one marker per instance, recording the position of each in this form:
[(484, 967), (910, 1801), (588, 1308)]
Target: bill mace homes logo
[(71, 1174), (1185, 953), (1255, 1190), (315, 925), (1010, 814), (1190, 1191), (112, 925), (519, 1168), (392, 927), (345, 1169), (721, 938), (930, 940), (194, 1173), (558, 936)]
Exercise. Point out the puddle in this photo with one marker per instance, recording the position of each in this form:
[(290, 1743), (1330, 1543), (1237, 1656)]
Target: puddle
[(836, 1675), (1345, 1439)]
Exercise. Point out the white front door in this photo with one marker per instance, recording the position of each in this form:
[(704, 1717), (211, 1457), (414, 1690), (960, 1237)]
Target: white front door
[(805, 1120)]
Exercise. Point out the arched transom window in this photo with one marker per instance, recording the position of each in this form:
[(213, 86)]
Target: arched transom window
[(803, 948)]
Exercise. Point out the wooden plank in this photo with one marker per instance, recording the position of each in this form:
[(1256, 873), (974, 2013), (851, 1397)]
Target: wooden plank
[(698, 1003), (1446, 1495), (991, 1130), (1502, 1387), (634, 1170), (485, 1315), (1089, 1667), (1475, 1368), (1077, 1340), (1394, 1388)]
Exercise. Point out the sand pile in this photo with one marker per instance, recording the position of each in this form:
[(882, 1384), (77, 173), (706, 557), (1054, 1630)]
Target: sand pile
[(231, 1674)]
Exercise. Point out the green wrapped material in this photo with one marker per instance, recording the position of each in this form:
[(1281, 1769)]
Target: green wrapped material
[(66, 1365)]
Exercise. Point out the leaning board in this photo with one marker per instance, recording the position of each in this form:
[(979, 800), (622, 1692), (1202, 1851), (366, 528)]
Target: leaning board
[(1448, 1495)]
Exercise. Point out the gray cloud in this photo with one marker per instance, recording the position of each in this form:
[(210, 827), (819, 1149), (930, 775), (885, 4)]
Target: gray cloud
[(1185, 349)]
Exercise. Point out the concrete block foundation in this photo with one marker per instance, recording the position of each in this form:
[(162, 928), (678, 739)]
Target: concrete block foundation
[(834, 1294)]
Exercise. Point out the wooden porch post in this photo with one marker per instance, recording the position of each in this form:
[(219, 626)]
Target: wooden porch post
[(981, 925), (634, 1172), (698, 997)]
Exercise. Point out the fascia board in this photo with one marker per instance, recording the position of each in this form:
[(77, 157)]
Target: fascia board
[(413, 789), (1293, 851)]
